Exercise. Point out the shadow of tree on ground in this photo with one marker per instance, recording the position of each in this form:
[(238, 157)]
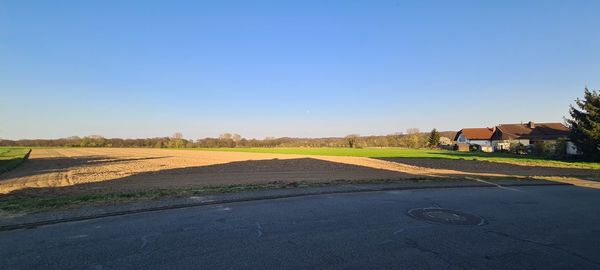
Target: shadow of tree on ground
[(297, 170), (477, 166), (37, 166)]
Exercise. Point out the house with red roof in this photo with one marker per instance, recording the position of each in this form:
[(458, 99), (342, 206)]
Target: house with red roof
[(475, 136), (528, 133), (480, 136), (501, 137)]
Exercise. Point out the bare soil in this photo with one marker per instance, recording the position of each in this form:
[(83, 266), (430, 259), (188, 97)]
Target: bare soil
[(85, 170)]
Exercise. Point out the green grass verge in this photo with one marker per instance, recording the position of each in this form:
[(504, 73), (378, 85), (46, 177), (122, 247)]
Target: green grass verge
[(417, 153), (10, 157)]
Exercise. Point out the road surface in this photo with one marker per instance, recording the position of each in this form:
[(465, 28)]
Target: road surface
[(547, 227)]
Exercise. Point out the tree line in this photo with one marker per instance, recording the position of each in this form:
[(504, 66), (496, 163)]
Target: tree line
[(584, 124), (413, 138)]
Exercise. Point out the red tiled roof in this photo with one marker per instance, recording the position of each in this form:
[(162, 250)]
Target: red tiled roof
[(476, 133)]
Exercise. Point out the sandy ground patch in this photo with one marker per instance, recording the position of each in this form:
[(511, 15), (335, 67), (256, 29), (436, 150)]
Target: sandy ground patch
[(116, 169)]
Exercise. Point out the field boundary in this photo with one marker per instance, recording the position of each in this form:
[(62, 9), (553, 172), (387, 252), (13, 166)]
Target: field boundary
[(17, 164), (265, 195)]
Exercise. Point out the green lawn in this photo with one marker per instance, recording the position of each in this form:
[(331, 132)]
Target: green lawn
[(416, 153), (11, 157)]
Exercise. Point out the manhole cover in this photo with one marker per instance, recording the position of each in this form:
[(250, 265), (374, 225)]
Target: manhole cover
[(445, 216)]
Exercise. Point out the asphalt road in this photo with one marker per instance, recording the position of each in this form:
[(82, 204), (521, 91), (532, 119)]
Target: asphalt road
[(551, 227)]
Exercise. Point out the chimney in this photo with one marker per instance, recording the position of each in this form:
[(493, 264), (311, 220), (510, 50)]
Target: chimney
[(531, 124)]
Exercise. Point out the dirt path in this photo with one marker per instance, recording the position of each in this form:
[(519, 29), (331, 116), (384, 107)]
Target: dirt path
[(116, 169)]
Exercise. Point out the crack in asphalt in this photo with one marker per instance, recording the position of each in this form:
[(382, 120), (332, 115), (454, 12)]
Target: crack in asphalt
[(414, 244), (144, 239), (545, 244), (437, 205)]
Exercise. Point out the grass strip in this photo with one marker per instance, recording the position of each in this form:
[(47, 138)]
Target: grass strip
[(35, 203), (25, 203), (418, 153), (11, 158)]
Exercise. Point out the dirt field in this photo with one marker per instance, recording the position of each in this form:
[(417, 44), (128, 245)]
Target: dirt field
[(84, 170)]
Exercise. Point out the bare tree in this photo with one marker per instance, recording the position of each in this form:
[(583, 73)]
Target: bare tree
[(236, 137), (413, 137), (225, 136), (177, 135), (351, 140), (176, 140)]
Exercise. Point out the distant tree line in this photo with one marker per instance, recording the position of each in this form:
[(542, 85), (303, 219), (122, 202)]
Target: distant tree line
[(413, 138)]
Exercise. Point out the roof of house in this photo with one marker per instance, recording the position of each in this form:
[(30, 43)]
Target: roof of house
[(531, 131), (476, 133)]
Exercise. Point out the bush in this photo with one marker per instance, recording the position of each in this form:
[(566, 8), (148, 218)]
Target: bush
[(474, 147), (554, 150), (518, 148), (544, 149), (560, 149), (540, 149)]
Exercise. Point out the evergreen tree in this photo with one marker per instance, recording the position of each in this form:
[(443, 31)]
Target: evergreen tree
[(585, 124), (434, 138)]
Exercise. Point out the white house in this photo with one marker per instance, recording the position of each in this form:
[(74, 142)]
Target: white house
[(478, 136)]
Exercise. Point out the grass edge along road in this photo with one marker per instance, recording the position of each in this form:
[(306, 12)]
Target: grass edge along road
[(417, 153), (20, 203), (11, 157), (31, 204)]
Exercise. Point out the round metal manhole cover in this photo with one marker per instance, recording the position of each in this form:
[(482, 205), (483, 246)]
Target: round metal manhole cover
[(445, 216)]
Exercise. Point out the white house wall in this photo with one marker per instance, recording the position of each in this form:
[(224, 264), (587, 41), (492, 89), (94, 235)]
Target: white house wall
[(480, 142), (505, 144), (523, 142), (501, 145), (572, 149)]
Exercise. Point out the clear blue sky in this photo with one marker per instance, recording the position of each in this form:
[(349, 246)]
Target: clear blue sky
[(289, 68)]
